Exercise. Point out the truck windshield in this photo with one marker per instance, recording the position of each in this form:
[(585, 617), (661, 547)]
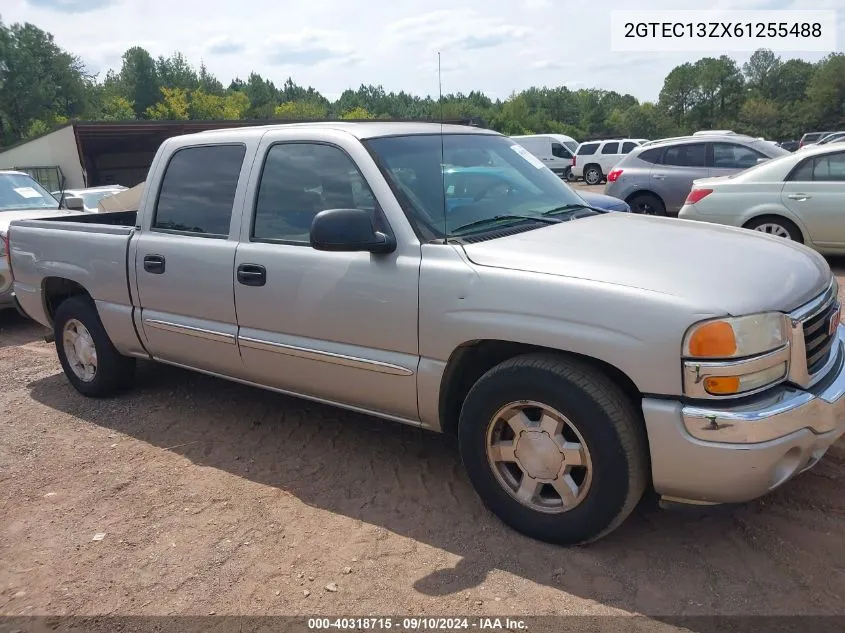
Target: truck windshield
[(472, 179), (19, 191)]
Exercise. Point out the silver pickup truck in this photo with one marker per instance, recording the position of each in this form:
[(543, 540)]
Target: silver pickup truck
[(578, 356)]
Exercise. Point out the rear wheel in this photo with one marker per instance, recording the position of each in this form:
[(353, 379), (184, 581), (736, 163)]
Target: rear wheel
[(775, 225), (646, 204), (592, 174), (554, 448), (88, 357)]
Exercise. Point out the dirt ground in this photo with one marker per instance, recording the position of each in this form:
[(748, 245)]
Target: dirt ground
[(218, 498)]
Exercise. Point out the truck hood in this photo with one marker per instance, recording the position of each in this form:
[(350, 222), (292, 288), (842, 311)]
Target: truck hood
[(7, 217), (716, 268)]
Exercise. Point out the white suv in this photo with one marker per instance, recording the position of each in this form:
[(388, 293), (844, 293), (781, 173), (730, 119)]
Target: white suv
[(593, 160)]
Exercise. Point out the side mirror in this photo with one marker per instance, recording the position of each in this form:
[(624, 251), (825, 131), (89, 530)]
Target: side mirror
[(348, 230), (74, 203), (762, 160)]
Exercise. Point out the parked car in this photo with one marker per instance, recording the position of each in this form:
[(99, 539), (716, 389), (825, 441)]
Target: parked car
[(830, 138), (22, 197), (800, 196), (469, 185), (594, 160), (578, 356), (656, 179), (90, 196), (555, 150), (810, 138), (789, 146)]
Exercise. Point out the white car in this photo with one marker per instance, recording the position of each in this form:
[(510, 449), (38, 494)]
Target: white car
[(555, 150), (799, 196), (593, 160), (90, 196)]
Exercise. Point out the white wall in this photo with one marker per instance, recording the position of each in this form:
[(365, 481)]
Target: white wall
[(54, 149)]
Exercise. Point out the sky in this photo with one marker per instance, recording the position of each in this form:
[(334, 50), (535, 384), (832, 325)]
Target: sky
[(495, 46)]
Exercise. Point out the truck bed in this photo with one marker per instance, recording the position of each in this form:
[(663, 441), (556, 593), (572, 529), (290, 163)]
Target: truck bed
[(88, 249), (125, 219)]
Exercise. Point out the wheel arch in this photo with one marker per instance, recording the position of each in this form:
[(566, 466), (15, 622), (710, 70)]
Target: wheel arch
[(776, 214), (56, 290), (472, 359)]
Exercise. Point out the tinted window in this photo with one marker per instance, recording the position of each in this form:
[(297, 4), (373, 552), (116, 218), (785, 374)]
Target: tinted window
[(627, 146), (804, 172), (560, 151), (690, 155), (198, 189), (298, 181), (830, 168), (651, 155), (587, 149), (733, 156), (610, 148)]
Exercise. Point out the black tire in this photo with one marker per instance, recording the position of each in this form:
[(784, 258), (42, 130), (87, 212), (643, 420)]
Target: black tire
[(646, 204), (114, 372), (776, 220), (592, 174), (607, 421)]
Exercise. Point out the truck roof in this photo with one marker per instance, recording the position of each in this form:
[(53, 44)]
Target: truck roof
[(361, 130)]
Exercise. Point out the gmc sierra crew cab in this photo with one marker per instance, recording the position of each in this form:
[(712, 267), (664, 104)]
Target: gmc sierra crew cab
[(579, 356)]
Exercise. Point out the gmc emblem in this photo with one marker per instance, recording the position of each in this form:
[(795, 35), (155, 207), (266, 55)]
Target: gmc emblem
[(834, 321)]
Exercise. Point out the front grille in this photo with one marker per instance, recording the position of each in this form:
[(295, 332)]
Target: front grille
[(818, 340)]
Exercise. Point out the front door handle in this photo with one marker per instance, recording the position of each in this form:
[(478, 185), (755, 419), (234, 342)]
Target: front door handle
[(800, 197), (658, 176), (154, 264), (252, 275)]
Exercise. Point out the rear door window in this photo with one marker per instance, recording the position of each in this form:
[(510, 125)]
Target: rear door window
[(588, 149), (830, 168), (652, 156), (610, 148), (733, 156), (688, 155), (198, 190), (628, 146)]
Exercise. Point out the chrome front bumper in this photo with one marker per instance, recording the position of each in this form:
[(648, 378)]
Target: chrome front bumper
[(723, 454)]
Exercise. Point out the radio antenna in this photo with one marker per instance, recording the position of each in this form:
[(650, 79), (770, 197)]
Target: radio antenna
[(442, 150)]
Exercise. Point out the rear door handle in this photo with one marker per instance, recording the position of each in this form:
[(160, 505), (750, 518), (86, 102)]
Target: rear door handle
[(252, 275), (154, 264), (658, 176), (799, 196)]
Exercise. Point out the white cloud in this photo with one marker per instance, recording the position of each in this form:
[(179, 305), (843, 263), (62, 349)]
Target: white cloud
[(454, 30), (310, 48), (224, 45)]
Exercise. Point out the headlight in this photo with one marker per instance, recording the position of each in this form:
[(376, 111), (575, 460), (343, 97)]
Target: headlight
[(736, 337)]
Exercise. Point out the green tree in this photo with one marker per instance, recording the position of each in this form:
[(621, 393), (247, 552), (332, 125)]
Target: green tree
[(679, 93), (356, 113), (173, 106), (138, 80), (39, 81), (176, 72), (300, 111), (826, 92), (117, 109)]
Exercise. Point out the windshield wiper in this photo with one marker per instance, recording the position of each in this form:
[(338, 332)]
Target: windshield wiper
[(571, 208), (500, 218)]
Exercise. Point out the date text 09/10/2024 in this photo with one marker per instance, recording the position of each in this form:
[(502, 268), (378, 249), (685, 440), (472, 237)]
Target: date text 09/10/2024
[(417, 623)]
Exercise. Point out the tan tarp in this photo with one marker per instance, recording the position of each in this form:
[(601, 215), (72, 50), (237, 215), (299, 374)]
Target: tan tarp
[(128, 200)]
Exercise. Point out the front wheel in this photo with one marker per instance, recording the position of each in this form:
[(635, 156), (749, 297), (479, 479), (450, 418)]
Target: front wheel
[(89, 359), (554, 448)]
